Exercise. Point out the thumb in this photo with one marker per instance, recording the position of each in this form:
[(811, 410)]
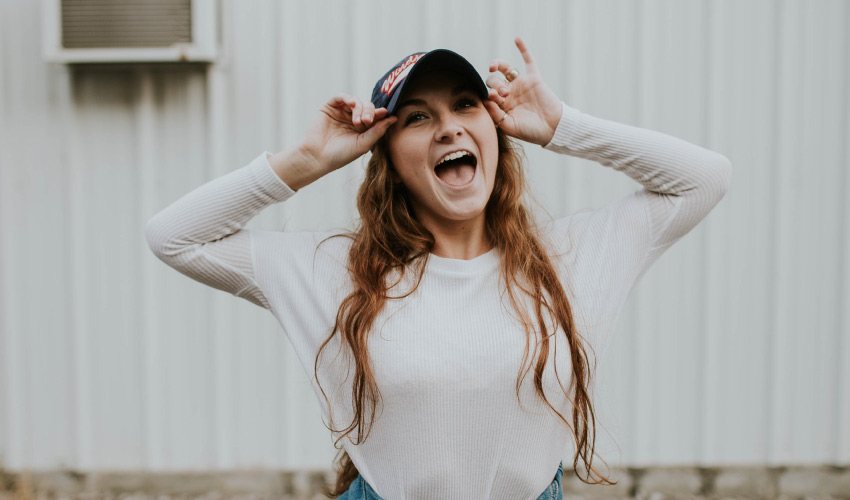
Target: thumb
[(376, 131)]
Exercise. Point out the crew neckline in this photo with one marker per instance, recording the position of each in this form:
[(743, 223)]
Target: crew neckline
[(483, 262)]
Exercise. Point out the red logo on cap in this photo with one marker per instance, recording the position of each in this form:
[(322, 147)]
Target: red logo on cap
[(399, 73)]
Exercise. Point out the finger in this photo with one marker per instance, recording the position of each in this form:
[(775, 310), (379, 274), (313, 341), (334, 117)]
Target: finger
[(496, 113), (498, 83), (341, 101), (494, 96), (530, 65), (368, 115), (379, 116), (501, 66), (371, 117), (371, 136), (357, 111)]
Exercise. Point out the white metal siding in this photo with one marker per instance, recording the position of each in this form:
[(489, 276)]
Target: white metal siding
[(734, 348)]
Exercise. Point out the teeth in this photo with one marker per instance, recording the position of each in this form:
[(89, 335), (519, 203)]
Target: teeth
[(454, 156)]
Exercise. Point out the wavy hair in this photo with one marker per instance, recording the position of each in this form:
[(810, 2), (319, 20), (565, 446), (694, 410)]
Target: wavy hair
[(389, 239)]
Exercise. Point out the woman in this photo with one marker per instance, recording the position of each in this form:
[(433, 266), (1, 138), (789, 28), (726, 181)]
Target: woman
[(451, 343)]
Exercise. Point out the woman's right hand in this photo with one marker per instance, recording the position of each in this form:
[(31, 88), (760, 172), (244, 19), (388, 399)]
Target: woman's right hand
[(345, 129)]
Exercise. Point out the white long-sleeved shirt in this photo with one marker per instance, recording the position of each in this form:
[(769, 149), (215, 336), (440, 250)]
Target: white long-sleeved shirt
[(446, 357)]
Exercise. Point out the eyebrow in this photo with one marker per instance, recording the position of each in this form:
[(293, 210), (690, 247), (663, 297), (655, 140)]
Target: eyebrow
[(420, 102)]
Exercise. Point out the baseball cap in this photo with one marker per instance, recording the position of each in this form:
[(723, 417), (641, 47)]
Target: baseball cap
[(389, 87)]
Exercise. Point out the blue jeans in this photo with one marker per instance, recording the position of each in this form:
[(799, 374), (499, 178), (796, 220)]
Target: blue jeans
[(360, 489)]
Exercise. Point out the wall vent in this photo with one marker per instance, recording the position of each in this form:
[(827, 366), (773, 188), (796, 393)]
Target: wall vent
[(77, 31)]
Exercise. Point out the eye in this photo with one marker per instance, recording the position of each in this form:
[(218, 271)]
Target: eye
[(466, 102), (412, 117)]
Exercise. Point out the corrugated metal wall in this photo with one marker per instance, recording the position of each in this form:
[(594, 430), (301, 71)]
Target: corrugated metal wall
[(735, 347)]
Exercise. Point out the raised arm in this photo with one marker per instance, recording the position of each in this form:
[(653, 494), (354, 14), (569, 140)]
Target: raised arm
[(201, 234), (603, 253), (682, 181)]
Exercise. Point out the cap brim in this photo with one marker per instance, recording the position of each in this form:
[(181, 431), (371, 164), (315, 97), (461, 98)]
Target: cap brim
[(440, 59)]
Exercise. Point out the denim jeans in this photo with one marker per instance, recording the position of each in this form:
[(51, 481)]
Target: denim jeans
[(360, 489)]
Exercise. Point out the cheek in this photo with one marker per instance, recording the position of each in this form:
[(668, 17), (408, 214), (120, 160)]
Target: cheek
[(489, 139), (490, 150), (403, 171), (409, 157)]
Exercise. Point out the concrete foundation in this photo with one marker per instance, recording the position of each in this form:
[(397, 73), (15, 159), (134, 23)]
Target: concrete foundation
[(658, 483)]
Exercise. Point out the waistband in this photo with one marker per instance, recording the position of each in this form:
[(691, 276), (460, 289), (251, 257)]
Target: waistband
[(361, 490)]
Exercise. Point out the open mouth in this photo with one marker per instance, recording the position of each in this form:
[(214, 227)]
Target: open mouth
[(456, 169)]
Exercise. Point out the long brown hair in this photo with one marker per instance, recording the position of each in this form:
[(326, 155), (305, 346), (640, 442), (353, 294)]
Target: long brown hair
[(390, 239)]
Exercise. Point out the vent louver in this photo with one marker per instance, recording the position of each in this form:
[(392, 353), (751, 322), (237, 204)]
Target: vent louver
[(93, 31), (121, 23)]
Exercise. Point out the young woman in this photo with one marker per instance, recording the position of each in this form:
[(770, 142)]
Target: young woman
[(450, 341)]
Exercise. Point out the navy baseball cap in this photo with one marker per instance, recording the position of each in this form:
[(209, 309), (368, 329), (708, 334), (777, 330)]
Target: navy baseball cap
[(389, 87)]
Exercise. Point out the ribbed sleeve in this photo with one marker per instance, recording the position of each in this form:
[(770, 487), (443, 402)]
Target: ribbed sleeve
[(683, 181), (201, 234), (604, 252)]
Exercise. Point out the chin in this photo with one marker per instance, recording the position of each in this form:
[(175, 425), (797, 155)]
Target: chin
[(464, 215)]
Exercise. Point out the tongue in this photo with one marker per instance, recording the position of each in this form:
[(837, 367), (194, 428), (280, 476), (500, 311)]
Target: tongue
[(456, 174)]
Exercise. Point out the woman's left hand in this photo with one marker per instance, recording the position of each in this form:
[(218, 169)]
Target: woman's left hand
[(525, 108)]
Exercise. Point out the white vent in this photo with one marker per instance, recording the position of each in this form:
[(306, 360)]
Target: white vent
[(129, 30)]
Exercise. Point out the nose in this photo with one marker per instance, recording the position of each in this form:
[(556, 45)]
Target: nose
[(448, 130)]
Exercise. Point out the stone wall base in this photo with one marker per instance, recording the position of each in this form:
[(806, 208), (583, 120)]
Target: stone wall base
[(654, 483)]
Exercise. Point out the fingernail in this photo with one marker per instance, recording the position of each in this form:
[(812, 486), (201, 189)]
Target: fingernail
[(504, 90), (367, 116)]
